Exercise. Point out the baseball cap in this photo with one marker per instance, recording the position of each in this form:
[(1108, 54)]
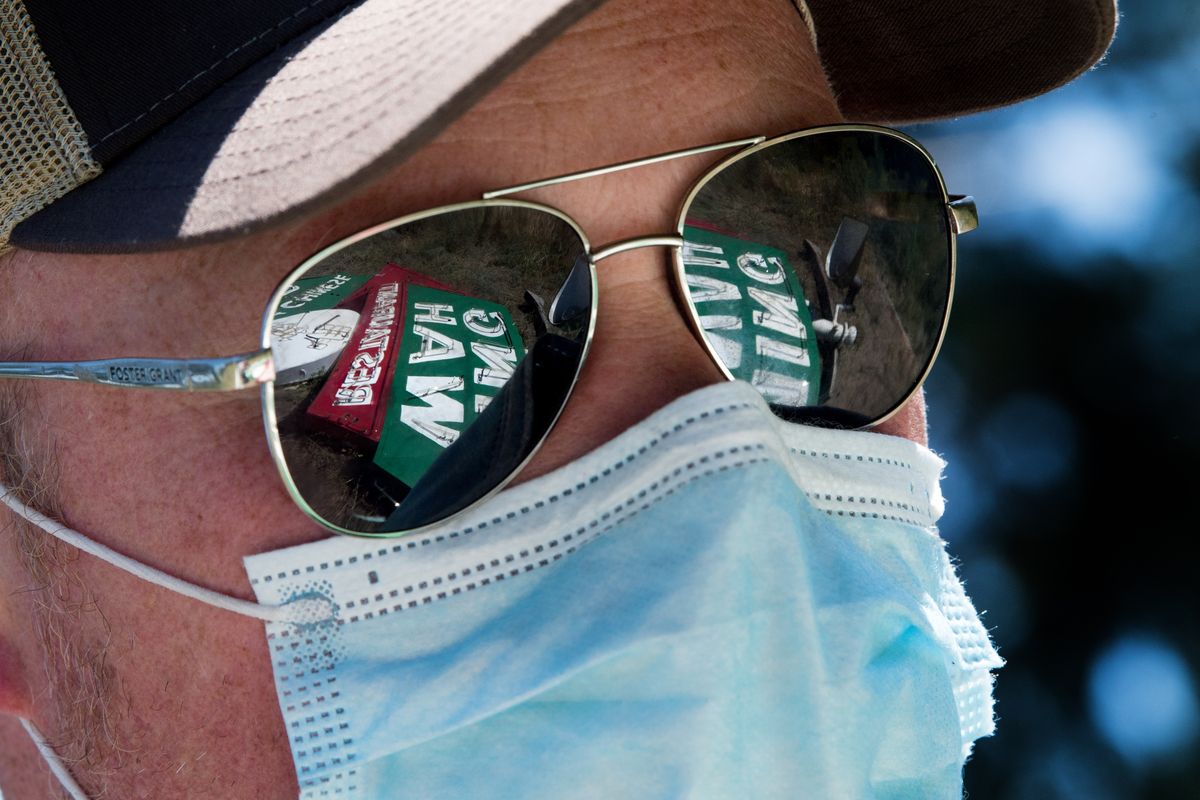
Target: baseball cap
[(155, 125)]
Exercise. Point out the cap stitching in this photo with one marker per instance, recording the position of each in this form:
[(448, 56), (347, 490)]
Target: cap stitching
[(367, 89), (212, 66), (340, 99)]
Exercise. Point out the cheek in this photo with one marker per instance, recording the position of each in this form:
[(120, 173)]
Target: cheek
[(186, 687), (908, 421), (182, 482)]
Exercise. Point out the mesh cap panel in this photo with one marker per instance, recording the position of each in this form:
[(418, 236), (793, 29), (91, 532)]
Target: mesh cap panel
[(43, 150)]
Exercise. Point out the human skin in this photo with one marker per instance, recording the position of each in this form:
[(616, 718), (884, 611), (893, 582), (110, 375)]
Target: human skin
[(185, 482)]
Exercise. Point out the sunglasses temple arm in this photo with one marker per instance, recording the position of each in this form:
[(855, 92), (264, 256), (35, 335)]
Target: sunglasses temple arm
[(225, 374)]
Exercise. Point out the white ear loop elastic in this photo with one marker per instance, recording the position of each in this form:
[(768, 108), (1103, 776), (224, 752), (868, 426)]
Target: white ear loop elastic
[(304, 610), (310, 610), (54, 762)]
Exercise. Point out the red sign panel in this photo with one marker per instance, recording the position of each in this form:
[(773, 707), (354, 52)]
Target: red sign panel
[(354, 396)]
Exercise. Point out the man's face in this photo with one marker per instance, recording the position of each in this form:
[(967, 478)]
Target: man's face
[(159, 696)]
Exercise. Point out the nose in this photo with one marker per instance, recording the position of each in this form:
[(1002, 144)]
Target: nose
[(642, 356)]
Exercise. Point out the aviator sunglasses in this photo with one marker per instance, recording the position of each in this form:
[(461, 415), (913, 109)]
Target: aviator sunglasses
[(410, 370)]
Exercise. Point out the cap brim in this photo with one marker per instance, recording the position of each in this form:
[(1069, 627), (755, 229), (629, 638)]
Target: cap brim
[(928, 59), (308, 124), (303, 127)]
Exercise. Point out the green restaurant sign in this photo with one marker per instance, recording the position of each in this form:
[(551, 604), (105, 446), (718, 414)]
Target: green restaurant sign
[(455, 355), (318, 294), (752, 309)]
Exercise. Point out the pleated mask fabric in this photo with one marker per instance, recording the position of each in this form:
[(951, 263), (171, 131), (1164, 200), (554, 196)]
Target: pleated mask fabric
[(714, 604)]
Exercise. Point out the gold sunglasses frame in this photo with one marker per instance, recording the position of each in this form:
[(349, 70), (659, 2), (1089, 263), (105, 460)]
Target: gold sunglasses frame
[(962, 217), (247, 370)]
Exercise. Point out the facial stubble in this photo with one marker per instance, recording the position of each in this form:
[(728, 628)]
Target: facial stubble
[(79, 693)]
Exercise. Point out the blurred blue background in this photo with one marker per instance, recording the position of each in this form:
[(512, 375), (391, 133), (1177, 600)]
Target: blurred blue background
[(1065, 401)]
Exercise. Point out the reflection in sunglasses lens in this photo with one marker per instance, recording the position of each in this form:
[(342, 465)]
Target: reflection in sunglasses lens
[(819, 270), (418, 367)]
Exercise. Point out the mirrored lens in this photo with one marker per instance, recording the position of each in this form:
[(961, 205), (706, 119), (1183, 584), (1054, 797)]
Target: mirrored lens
[(419, 367), (819, 270)]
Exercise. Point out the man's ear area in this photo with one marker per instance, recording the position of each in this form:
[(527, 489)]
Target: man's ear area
[(15, 696)]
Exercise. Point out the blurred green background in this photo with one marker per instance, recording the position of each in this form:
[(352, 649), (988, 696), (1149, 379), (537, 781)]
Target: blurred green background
[(1065, 401)]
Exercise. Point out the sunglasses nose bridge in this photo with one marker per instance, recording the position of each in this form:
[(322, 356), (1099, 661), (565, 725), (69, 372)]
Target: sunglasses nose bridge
[(636, 243)]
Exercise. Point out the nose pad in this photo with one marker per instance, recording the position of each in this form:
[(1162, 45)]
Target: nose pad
[(574, 297), (569, 304), (643, 354)]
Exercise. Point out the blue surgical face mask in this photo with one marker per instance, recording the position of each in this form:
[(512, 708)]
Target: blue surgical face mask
[(714, 604)]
